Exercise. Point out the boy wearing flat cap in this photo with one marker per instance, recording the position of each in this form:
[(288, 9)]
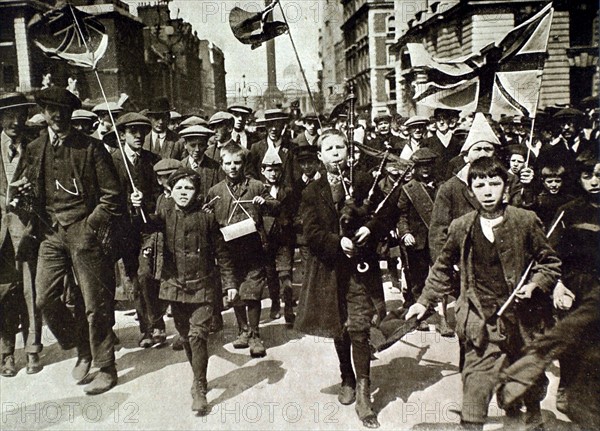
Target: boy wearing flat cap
[(311, 130), (17, 273), (76, 197), (132, 128), (221, 123)]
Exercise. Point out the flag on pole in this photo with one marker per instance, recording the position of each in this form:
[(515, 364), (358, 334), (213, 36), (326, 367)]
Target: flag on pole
[(503, 78), (252, 28), (69, 34)]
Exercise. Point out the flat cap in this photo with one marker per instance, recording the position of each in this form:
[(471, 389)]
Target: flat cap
[(423, 155), (166, 166), (133, 119), (105, 107), (82, 114), (183, 172), (219, 117), (310, 116), (57, 96), (452, 113), (196, 131), (382, 117), (569, 113), (416, 120), (239, 109), (194, 120), (14, 100), (38, 120), (174, 115), (306, 152)]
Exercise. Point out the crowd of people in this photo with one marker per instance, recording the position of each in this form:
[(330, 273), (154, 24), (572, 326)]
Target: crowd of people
[(196, 215)]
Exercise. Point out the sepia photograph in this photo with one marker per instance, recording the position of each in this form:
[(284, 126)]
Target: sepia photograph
[(300, 215)]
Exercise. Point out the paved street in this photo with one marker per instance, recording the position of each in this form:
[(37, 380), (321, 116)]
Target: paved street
[(415, 385)]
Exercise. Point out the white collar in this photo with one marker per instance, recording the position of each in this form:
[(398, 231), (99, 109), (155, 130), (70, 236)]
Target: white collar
[(160, 136), (314, 178), (130, 153)]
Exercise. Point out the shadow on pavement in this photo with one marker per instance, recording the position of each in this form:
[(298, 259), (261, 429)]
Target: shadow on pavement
[(241, 379)]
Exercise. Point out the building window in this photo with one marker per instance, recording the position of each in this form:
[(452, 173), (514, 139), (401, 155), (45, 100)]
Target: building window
[(391, 26), (391, 55), (8, 75), (581, 24)]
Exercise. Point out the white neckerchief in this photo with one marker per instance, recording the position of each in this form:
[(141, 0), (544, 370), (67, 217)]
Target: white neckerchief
[(444, 137), (272, 144), (274, 191), (487, 226), (314, 178)]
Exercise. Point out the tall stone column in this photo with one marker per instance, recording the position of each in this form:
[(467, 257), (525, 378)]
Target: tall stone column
[(23, 58)]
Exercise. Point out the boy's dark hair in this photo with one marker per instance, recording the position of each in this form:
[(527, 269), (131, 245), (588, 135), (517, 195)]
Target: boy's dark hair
[(552, 170), (586, 162), (234, 149), (487, 167), (327, 133)]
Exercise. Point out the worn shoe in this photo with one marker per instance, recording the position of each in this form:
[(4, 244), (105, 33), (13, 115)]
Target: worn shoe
[(423, 326), (257, 348), (146, 341), (199, 401), (33, 363), (159, 336), (445, 330), (364, 408), (81, 368), (177, 343), (347, 393), (241, 342), (105, 380), (275, 312), (9, 369)]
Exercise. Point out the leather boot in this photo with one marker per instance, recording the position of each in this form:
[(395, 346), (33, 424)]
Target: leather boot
[(199, 401), (105, 380), (33, 363), (347, 393), (364, 408), (288, 300)]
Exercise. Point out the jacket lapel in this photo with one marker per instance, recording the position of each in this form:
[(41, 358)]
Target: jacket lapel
[(325, 192)]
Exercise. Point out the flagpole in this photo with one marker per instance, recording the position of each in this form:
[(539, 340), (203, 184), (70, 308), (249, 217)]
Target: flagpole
[(312, 100), (112, 119), (537, 102)]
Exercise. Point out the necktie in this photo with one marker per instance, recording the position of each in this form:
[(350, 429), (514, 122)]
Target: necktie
[(134, 159), (12, 152), (194, 165)]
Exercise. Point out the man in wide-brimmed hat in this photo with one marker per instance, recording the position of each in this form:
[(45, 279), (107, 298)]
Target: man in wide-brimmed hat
[(76, 197), (161, 140), (275, 121), (17, 276)]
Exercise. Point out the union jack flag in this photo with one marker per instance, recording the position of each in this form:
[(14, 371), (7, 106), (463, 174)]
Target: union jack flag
[(503, 78)]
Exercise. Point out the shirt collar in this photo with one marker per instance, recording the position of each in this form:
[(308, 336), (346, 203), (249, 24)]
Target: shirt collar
[(130, 153), (160, 136), (52, 135), (314, 178)]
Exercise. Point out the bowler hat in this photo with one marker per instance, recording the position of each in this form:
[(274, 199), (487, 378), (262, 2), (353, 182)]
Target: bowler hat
[(14, 100), (183, 172), (166, 166), (569, 114), (57, 96), (159, 105)]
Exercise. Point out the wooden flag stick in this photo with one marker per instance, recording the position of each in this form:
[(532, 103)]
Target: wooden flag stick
[(112, 119), (312, 100)]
